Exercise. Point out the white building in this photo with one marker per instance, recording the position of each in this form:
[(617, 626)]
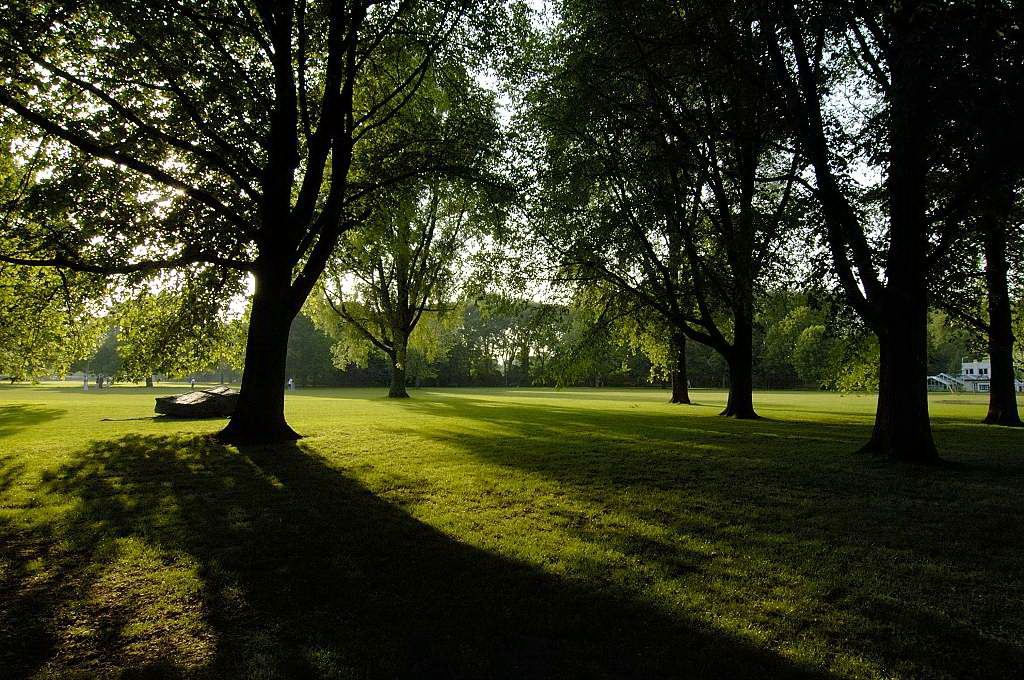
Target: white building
[(975, 376)]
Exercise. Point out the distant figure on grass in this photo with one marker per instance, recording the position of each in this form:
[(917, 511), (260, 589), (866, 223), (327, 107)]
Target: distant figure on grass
[(192, 382), (291, 383)]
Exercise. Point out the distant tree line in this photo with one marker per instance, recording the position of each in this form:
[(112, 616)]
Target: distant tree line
[(799, 343)]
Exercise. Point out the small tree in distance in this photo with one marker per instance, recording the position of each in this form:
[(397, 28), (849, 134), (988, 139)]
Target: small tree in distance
[(398, 268)]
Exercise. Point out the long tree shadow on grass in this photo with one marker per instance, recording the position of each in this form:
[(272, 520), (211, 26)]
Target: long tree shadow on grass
[(843, 436), (913, 568), (183, 556)]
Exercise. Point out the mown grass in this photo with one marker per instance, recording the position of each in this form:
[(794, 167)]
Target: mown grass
[(492, 533)]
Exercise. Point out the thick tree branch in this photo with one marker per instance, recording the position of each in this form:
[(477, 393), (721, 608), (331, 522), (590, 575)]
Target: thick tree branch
[(94, 148)]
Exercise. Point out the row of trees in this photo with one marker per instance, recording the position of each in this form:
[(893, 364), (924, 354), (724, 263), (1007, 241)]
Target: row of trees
[(690, 150), (799, 341), (672, 167)]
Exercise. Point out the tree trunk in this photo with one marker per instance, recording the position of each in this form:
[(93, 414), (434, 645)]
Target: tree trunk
[(999, 162), (741, 371), (680, 389), (902, 429), (741, 389), (398, 366), (526, 365), (259, 415), (897, 310), (1002, 397), (149, 381)]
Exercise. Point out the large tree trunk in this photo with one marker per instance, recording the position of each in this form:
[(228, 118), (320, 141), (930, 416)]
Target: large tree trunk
[(1002, 398), (902, 429), (741, 371), (897, 311), (741, 390), (149, 381), (398, 359), (259, 416), (999, 162), (680, 388)]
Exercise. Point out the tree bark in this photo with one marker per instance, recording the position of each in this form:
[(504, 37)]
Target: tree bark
[(741, 385), (149, 381), (680, 388), (902, 428), (398, 366), (259, 415), (1002, 397), (740, 359)]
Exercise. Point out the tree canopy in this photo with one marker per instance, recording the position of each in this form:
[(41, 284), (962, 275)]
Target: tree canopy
[(244, 137), (780, 192)]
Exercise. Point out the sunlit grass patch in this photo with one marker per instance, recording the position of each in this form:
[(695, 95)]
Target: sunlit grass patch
[(511, 533)]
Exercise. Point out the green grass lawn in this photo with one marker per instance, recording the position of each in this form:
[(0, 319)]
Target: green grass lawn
[(519, 533)]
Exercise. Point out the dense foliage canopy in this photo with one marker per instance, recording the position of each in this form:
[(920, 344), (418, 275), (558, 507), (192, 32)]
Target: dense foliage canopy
[(772, 193)]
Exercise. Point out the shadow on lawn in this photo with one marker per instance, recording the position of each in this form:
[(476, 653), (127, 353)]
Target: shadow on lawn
[(303, 572), (20, 416), (901, 550), (685, 423)]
